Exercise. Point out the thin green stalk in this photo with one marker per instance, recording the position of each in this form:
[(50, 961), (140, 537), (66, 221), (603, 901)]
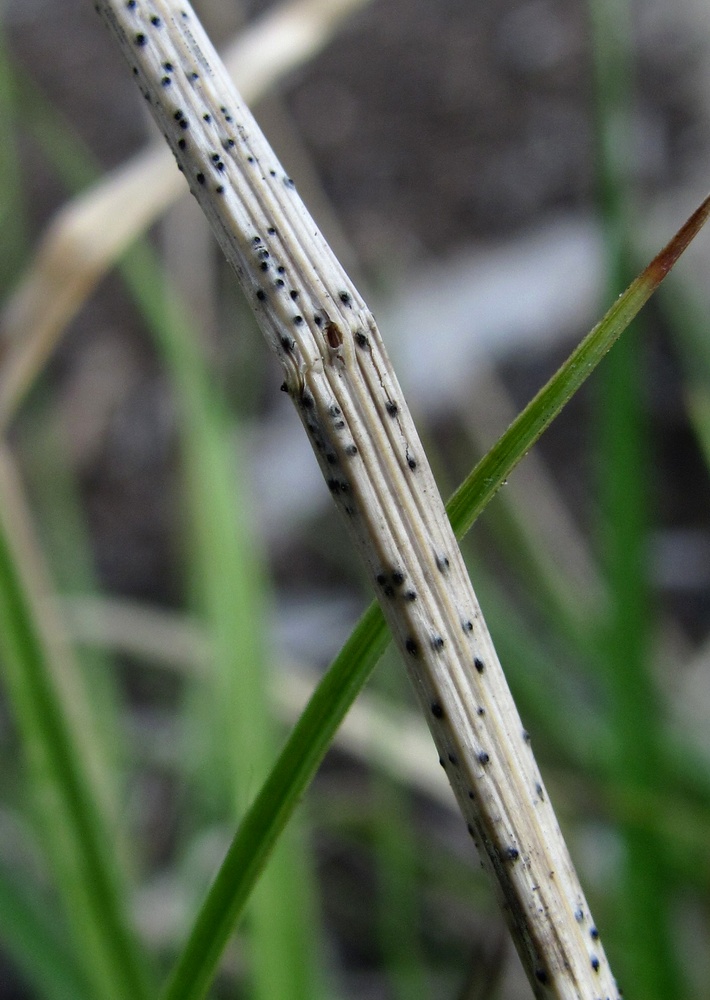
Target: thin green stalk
[(13, 236), (314, 732), (32, 939), (643, 901), (68, 804)]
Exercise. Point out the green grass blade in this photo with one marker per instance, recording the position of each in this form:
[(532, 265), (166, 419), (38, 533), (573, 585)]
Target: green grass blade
[(314, 731), (68, 803), (30, 938), (491, 472), (230, 592), (641, 923), (13, 236), (275, 804)]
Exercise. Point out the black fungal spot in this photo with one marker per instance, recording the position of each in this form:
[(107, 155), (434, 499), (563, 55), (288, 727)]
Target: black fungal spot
[(289, 182), (307, 401), (184, 124), (331, 458), (437, 643), (453, 759), (442, 762), (381, 579), (483, 758), (182, 143), (155, 21), (165, 81), (480, 710), (541, 975), (579, 915), (294, 294), (256, 240), (279, 282), (411, 463), (288, 345), (351, 450), (229, 144), (194, 76), (397, 578), (200, 178), (345, 298), (526, 736), (264, 266), (168, 67), (250, 159), (298, 320), (334, 410), (411, 647), (594, 934), (437, 711), (261, 294), (479, 664), (471, 831), (361, 339), (512, 854), (442, 563), (271, 231), (339, 425), (141, 39), (220, 189), (318, 320), (541, 795), (467, 626), (283, 387), (595, 963), (411, 595), (131, 4), (391, 408)]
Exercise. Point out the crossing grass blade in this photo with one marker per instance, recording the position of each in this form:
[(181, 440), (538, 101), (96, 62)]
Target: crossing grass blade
[(312, 735)]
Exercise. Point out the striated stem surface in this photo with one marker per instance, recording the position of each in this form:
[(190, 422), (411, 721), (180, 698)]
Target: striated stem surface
[(341, 381)]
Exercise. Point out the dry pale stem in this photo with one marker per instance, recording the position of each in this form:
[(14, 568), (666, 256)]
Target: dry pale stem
[(347, 396)]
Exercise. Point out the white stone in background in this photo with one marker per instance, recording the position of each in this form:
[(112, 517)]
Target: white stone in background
[(488, 302)]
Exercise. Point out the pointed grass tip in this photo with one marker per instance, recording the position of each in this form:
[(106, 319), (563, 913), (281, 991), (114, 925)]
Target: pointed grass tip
[(664, 261)]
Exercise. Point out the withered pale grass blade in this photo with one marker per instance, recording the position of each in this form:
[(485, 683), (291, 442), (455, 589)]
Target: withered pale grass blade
[(88, 235)]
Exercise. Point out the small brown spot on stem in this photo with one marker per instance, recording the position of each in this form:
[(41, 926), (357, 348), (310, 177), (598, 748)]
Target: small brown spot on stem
[(333, 336)]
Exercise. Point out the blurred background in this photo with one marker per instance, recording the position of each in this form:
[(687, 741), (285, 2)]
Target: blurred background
[(492, 174)]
